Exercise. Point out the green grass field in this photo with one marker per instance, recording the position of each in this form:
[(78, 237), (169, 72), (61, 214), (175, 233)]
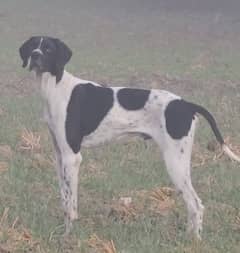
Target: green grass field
[(194, 54)]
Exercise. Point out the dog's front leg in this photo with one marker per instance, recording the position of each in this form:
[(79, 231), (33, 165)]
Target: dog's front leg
[(69, 188), (67, 167)]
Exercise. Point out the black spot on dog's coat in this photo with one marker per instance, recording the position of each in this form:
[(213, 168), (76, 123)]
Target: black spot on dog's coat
[(87, 107), (179, 116), (132, 99)]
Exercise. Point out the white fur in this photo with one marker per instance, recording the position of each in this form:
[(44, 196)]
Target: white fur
[(116, 124), (38, 50)]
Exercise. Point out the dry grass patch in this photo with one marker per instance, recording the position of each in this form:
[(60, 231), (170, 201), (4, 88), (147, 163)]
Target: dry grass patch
[(93, 169), (158, 200), (202, 157), (40, 160), (123, 209), (236, 222), (234, 147), (101, 245), (6, 152), (3, 166), (161, 200), (14, 237), (30, 141)]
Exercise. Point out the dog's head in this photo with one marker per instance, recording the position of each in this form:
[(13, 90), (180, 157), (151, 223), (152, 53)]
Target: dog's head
[(45, 54)]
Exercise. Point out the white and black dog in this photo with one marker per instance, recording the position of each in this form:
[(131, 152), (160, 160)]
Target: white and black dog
[(81, 113)]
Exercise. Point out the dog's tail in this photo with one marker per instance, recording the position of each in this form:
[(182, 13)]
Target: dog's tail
[(208, 116)]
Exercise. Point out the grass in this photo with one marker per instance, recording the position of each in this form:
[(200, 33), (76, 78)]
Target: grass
[(118, 43)]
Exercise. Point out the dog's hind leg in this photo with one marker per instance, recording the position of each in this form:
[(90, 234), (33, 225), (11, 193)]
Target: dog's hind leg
[(177, 156)]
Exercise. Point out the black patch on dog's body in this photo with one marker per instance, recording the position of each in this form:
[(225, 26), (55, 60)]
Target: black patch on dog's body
[(132, 99), (179, 116), (87, 107)]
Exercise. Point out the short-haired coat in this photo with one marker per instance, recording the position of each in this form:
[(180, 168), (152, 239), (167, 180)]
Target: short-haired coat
[(82, 113)]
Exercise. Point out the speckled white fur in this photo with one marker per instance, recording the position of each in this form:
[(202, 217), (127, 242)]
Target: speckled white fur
[(117, 123)]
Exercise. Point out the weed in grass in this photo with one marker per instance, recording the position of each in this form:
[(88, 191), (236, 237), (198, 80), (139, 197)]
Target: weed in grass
[(101, 246), (29, 140)]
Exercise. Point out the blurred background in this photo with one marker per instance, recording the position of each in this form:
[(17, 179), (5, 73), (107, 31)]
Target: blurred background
[(190, 47)]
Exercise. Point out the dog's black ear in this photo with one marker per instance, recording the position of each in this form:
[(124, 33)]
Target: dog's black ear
[(63, 55), (25, 51)]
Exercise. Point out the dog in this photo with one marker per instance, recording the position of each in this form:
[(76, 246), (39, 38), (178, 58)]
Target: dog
[(81, 113)]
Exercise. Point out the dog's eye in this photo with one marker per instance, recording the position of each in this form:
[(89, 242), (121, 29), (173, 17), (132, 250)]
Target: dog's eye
[(48, 50)]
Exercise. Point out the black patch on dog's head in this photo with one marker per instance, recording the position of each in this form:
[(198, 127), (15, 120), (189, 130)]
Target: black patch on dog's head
[(26, 49), (132, 99), (50, 55), (87, 107), (179, 116), (62, 56)]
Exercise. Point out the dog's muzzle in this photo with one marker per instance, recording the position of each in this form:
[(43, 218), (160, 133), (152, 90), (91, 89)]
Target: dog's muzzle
[(36, 61)]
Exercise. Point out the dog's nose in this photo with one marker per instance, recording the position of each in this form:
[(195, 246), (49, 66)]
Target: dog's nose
[(35, 55)]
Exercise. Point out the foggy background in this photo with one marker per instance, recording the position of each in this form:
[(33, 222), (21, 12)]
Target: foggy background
[(189, 47), (106, 36)]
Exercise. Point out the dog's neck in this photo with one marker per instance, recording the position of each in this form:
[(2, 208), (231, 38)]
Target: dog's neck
[(47, 77), (48, 82), (50, 88)]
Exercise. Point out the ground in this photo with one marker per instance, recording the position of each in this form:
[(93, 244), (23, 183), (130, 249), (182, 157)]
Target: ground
[(192, 53)]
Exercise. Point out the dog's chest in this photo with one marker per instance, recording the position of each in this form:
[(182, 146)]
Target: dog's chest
[(56, 99)]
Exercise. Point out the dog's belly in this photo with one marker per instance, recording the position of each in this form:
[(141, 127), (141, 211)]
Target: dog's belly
[(97, 139), (117, 126)]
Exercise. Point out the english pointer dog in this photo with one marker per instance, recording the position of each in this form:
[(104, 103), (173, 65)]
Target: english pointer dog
[(82, 113)]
